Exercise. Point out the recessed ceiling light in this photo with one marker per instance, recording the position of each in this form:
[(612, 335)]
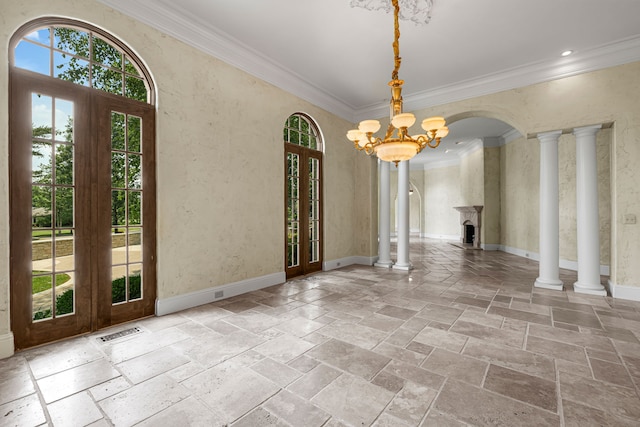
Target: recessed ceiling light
[(446, 151), (459, 142), (567, 53)]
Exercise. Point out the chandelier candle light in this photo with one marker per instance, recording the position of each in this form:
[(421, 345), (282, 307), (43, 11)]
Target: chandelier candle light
[(398, 144)]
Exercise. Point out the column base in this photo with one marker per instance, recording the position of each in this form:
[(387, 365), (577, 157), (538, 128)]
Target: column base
[(590, 289), (403, 267), (386, 264), (554, 285)]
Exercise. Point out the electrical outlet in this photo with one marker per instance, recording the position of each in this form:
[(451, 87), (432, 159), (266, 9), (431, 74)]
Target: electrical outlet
[(218, 294), (629, 218)]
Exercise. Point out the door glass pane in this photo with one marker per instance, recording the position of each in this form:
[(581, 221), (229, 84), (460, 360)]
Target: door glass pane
[(135, 244), (126, 207), (134, 213), (293, 208), (41, 207), (52, 208), (64, 164), (42, 297), (41, 116), (64, 208), (134, 173), (119, 284), (117, 130), (314, 210), (135, 281), (118, 204), (41, 162), (118, 169)]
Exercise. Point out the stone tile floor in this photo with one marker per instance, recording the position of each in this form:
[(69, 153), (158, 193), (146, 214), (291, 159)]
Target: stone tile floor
[(463, 339)]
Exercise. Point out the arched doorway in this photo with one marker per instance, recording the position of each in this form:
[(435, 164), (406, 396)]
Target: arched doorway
[(82, 187), (303, 196)]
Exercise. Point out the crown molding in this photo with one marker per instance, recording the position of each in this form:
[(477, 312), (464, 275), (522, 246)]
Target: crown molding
[(169, 19), (610, 55), (510, 136)]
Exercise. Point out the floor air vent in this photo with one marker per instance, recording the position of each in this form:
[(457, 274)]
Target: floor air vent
[(116, 335)]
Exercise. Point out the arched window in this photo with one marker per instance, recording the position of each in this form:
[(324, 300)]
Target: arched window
[(82, 54), (82, 168), (303, 189)]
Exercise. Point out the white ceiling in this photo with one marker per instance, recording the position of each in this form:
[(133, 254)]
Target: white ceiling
[(340, 58)]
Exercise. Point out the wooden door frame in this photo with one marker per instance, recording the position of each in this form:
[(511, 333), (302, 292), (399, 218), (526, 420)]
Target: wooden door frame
[(304, 267), (108, 314), (90, 313)]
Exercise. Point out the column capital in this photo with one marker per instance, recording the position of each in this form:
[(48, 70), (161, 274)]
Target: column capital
[(587, 130), (549, 136)]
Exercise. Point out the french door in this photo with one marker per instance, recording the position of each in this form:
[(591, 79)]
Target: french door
[(82, 195), (303, 189)]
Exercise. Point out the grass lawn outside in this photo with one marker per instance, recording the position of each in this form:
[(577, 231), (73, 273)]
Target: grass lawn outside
[(42, 283)]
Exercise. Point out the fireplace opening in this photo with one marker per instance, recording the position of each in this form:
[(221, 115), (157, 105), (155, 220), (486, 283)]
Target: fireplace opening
[(469, 233)]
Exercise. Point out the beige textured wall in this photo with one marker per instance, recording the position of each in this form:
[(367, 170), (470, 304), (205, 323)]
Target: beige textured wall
[(603, 150), (219, 161), (567, 197), (442, 193), (490, 233), (416, 205), (472, 178), (519, 194)]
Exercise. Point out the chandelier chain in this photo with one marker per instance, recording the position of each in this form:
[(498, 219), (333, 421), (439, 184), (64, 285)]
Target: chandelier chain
[(396, 41)]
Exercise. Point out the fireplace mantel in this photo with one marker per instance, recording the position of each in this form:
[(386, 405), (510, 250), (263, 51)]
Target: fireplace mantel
[(470, 216)]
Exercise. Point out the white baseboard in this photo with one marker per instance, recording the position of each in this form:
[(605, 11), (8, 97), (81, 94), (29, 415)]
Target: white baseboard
[(454, 237), (566, 264), (205, 296), (631, 293), (343, 262), (6, 345)]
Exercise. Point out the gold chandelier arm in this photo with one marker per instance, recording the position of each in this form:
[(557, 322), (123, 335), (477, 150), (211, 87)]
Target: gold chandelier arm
[(396, 42), (431, 145)]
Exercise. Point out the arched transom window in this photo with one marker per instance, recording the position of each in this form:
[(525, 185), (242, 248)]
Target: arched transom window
[(86, 57), (300, 130)]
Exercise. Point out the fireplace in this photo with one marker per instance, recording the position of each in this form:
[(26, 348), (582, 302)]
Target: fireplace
[(469, 233), (470, 225)]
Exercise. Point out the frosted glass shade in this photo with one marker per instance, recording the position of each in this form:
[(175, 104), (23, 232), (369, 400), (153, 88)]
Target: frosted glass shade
[(442, 132), (396, 151), (433, 123), (403, 120), (367, 126), (355, 135)]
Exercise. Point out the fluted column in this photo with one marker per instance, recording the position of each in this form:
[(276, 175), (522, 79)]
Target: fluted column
[(587, 212), (384, 225), (402, 263), (549, 213)]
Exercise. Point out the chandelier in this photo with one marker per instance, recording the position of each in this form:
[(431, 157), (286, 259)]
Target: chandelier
[(397, 144)]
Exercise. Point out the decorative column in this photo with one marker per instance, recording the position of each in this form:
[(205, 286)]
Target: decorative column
[(384, 221), (402, 263), (587, 212), (549, 213)]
